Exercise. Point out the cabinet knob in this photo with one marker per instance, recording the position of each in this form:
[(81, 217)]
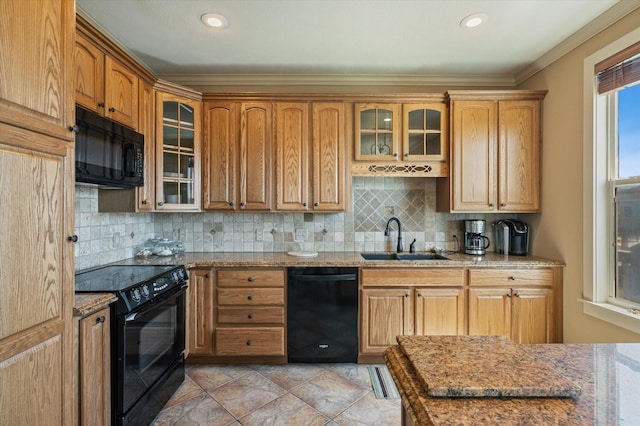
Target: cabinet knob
[(231, 203), (304, 204), (249, 297), (250, 279), (406, 295), (74, 128), (490, 204), (250, 316), (395, 154), (406, 154), (206, 275), (248, 342), (241, 204), (144, 201), (419, 294), (112, 109), (503, 204), (160, 203), (316, 204), (508, 294), (517, 294), (100, 319), (512, 278), (73, 238), (100, 104)]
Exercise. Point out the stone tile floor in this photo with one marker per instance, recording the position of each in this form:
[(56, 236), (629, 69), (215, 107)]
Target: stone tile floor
[(293, 394)]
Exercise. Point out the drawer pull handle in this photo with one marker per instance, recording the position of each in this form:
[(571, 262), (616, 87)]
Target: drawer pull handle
[(250, 316), (249, 297), (512, 278), (100, 319), (250, 279), (248, 342)]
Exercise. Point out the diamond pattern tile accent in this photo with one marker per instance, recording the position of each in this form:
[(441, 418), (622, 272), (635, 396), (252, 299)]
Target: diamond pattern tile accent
[(371, 209)]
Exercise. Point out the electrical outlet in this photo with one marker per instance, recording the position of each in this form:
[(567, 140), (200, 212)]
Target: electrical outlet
[(300, 235), (259, 236), (116, 239)]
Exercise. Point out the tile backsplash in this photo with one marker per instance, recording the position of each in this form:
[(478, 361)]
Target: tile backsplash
[(108, 237)]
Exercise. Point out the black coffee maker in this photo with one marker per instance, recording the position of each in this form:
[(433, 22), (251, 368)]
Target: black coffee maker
[(512, 237)]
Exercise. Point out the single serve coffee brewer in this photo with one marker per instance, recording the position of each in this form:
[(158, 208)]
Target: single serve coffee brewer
[(474, 242)]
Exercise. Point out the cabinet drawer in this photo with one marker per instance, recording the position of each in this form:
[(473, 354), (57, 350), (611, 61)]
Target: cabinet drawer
[(251, 278), (250, 341), (251, 315), (510, 277), (251, 296), (410, 276)]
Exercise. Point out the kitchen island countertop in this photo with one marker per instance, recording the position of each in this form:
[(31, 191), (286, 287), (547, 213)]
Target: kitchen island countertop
[(608, 376)]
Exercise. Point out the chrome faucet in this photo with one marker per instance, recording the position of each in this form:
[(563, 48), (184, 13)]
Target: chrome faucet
[(386, 232)]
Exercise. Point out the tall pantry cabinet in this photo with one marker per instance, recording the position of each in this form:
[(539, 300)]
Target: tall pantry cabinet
[(37, 197)]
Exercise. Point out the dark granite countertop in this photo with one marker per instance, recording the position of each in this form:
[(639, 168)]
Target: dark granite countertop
[(607, 374), (266, 259)]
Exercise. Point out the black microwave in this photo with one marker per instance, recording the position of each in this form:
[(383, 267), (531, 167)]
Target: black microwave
[(107, 153)]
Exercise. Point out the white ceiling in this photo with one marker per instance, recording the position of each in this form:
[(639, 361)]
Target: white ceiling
[(346, 37)]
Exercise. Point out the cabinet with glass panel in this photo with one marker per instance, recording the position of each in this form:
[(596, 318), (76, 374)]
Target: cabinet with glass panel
[(425, 132), (377, 131), (178, 132)]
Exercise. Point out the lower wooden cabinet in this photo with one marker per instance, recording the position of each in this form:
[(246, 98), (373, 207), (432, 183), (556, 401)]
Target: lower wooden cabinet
[(408, 301), (95, 370), (200, 323), (236, 313), (517, 304)]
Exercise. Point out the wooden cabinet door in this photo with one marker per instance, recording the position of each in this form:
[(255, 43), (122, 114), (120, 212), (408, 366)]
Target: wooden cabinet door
[(145, 199), (473, 157), (36, 277), (377, 128), (220, 155), (328, 156), (532, 315), (490, 312), (88, 68), (36, 72), (121, 96), (440, 311), (519, 155), (292, 156), (95, 369), (201, 311), (255, 155), (425, 132), (385, 314)]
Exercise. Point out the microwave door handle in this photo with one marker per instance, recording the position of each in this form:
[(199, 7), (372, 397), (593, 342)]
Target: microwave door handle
[(129, 160)]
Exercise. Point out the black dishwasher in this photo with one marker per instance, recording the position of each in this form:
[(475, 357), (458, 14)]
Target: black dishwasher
[(322, 314)]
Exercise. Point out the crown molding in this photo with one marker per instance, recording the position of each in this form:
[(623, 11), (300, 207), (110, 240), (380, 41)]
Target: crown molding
[(608, 18), (202, 81)]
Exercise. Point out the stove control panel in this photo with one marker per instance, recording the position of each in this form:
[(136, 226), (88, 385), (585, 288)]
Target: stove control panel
[(143, 292)]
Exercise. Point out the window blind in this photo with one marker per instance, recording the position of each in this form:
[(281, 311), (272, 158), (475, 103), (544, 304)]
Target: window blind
[(619, 70)]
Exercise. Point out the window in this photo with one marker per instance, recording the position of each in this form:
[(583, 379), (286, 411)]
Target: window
[(612, 183)]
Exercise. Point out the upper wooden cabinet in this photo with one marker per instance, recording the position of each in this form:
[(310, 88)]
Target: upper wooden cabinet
[(495, 152), (220, 150), (256, 143), (104, 85), (406, 138), (297, 159), (377, 132), (35, 65), (178, 129)]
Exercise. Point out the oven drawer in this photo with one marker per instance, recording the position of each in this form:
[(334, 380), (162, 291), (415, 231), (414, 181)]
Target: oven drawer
[(251, 278), (251, 315), (251, 296), (250, 341)]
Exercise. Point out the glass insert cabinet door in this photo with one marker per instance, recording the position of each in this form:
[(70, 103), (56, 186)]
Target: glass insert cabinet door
[(178, 168), (377, 132), (425, 132)]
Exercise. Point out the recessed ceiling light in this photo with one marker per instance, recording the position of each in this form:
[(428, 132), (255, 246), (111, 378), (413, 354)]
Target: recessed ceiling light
[(474, 20), (214, 20)]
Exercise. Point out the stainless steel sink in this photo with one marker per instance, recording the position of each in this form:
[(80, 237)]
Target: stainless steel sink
[(402, 256)]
